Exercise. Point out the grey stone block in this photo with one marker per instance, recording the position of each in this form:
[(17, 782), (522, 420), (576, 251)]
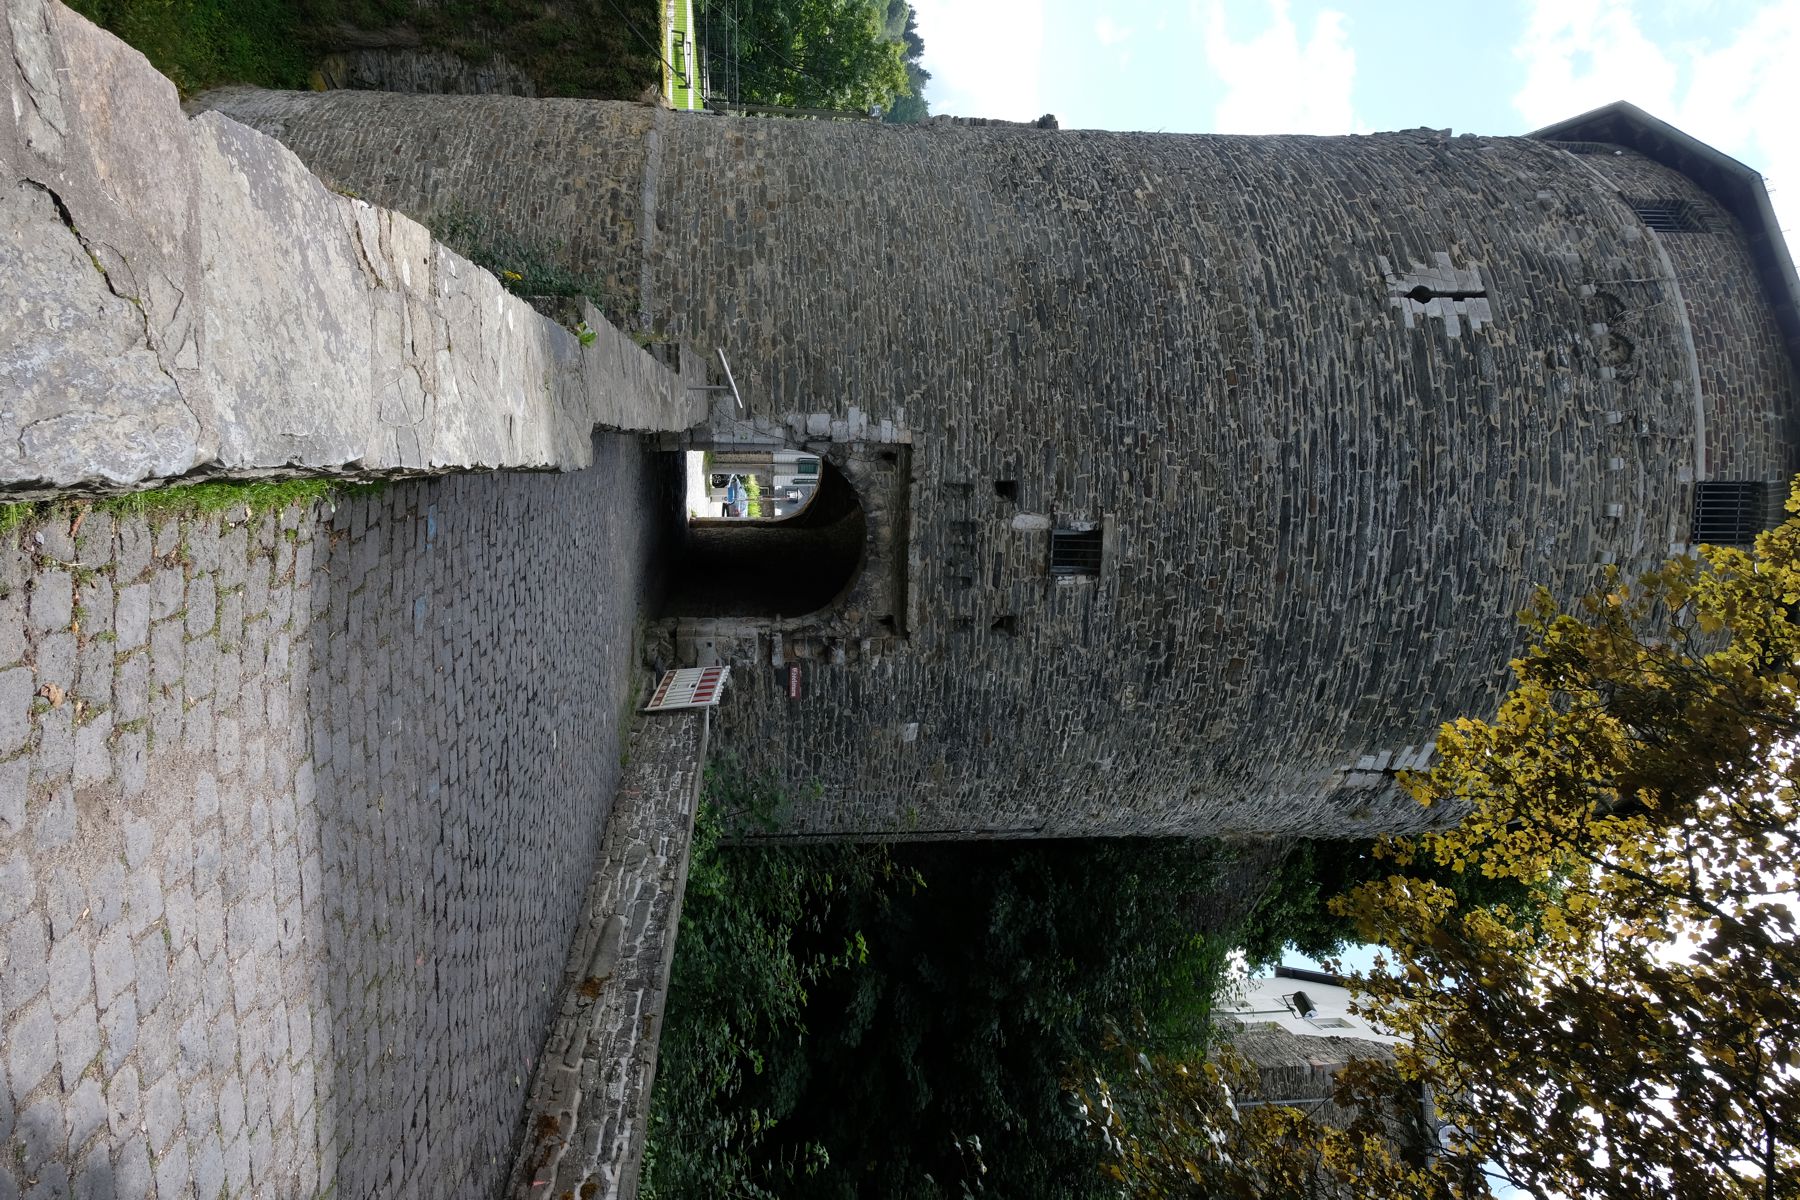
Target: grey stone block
[(132, 1175), (56, 660), (202, 605), (93, 757), (144, 900), (166, 653), (18, 891), (174, 1178), (194, 1046), (124, 1103), (16, 688), (77, 1044), (106, 894), (94, 1179), (94, 1175), (131, 762), (71, 970), (119, 1030), (152, 973), (131, 688), (57, 818), (12, 626), (132, 616), (163, 1112), (52, 601), (134, 541), (114, 967), (14, 776), (31, 1050), (86, 1114), (39, 1134), (140, 840), (209, 1165)]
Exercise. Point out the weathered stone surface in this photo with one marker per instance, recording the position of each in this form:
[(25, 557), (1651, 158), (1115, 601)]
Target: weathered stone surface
[(187, 296), (87, 399), (589, 1106), (311, 943), (1336, 405)]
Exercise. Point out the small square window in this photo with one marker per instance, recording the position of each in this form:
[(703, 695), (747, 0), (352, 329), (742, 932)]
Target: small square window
[(1733, 512), (1075, 551)]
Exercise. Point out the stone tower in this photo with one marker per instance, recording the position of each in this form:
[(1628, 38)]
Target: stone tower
[(1176, 484)]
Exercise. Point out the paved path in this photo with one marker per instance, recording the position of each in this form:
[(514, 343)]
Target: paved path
[(295, 822)]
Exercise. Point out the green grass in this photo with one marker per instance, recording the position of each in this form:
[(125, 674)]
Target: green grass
[(193, 499), (602, 49), (204, 43)]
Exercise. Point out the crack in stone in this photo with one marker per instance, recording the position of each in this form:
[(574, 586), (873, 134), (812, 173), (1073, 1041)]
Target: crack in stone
[(68, 219)]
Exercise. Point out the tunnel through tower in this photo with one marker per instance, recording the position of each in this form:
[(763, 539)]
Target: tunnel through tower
[(758, 563)]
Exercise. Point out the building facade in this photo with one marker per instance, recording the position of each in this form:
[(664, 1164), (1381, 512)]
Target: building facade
[(1173, 484)]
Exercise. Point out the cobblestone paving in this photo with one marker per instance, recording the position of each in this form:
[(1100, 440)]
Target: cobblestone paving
[(296, 817)]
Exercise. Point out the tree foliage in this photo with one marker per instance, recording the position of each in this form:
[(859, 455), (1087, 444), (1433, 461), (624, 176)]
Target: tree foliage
[(1635, 1034), (1184, 1129), (829, 54), (944, 987)]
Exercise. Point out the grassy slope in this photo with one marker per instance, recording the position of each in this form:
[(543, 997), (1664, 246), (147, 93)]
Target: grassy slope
[(202, 43), (604, 49)]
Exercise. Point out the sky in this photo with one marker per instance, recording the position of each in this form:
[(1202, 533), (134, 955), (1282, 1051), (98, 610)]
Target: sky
[(1725, 71)]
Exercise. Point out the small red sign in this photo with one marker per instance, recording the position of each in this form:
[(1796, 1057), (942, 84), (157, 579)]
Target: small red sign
[(794, 682)]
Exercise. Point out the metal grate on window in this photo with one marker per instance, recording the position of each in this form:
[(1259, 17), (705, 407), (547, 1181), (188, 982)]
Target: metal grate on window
[(1668, 215), (1733, 512), (1075, 552)]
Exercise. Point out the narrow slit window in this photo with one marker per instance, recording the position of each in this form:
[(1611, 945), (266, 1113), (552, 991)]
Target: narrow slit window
[(1733, 512), (1075, 552), (1668, 215)]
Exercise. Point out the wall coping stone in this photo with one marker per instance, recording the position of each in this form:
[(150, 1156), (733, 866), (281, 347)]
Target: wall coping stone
[(188, 299)]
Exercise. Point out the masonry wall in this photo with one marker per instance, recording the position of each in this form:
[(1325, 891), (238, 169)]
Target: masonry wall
[(1337, 405)]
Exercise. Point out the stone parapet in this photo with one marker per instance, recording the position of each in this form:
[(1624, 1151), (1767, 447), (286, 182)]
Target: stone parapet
[(188, 299), (589, 1108)]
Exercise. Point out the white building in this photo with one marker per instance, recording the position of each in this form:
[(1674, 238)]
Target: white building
[(1310, 1003)]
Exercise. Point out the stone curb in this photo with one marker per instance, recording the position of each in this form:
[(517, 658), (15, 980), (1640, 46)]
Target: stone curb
[(589, 1106)]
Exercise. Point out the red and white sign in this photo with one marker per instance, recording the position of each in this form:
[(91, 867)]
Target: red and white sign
[(794, 682), (691, 687)]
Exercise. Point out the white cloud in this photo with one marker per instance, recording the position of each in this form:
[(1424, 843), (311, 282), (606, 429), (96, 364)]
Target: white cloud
[(1738, 93), (1278, 81), (1109, 31), (983, 57)]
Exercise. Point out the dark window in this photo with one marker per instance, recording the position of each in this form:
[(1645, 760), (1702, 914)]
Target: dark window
[(1075, 552), (1007, 489), (1668, 215), (1733, 512)]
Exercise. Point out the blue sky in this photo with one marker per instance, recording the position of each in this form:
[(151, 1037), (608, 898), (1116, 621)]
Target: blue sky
[(1726, 71)]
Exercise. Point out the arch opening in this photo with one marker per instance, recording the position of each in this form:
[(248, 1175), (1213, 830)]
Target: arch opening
[(770, 566)]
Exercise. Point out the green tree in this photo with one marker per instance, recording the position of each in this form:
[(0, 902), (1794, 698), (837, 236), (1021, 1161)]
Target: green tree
[(1638, 1032), (832, 54), (1172, 1128)]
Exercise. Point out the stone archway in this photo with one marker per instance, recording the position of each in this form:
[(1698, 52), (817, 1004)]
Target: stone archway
[(768, 569)]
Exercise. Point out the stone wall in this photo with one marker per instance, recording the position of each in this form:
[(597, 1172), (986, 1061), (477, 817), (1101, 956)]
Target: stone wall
[(589, 1109), (1336, 406), (190, 300)]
